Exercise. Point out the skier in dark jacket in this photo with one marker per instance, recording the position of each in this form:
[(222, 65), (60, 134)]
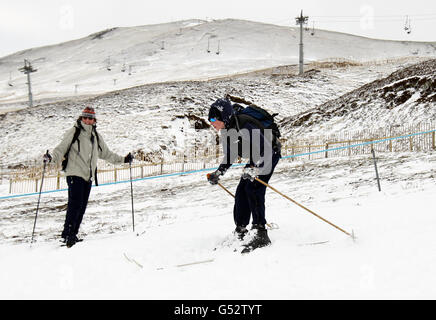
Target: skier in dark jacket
[(81, 169), (243, 136)]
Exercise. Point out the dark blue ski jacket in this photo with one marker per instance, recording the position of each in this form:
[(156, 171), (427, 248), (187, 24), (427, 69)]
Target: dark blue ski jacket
[(244, 137)]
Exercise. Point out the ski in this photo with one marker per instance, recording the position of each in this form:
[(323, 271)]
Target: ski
[(63, 241), (188, 264), (312, 243), (65, 245), (133, 261)]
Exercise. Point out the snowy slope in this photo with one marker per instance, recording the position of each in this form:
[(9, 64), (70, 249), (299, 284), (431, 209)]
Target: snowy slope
[(181, 220), (178, 51)]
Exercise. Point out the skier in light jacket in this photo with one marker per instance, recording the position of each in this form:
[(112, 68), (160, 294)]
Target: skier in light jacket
[(81, 168)]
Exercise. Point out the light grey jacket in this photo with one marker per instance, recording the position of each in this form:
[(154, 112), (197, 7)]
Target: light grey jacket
[(83, 163)]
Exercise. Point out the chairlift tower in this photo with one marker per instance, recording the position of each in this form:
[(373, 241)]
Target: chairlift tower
[(28, 69), (301, 20), (10, 79)]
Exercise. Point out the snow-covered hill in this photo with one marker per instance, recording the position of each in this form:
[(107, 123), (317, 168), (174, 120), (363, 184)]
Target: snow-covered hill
[(407, 96), (178, 51)]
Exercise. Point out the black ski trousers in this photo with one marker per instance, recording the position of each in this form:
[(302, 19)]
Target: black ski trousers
[(78, 195), (250, 198)]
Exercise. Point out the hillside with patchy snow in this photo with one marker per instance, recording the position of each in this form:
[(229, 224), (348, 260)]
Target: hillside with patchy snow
[(161, 118), (407, 96)]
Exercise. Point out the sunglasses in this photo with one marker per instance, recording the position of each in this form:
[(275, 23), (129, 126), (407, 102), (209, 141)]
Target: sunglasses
[(212, 119), (89, 118)]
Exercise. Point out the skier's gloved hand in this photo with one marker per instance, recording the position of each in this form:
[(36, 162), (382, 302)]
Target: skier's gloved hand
[(47, 157), (250, 173), (128, 158), (214, 177)]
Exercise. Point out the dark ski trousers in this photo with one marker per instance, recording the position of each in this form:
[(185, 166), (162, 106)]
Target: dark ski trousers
[(250, 198), (78, 195)]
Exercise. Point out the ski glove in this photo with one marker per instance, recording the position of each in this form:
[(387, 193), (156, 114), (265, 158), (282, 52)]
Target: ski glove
[(128, 158), (214, 177), (46, 157), (250, 173)]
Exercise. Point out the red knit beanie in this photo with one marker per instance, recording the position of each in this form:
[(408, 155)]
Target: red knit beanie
[(88, 112)]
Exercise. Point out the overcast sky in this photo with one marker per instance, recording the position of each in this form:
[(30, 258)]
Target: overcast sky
[(28, 23)]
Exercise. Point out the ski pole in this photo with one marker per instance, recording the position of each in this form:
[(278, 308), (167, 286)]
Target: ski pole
[(39, 198), (224, 188), (131, 195), (300, 205)]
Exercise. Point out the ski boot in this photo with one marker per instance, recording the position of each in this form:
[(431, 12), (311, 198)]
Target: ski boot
[(70, 241), (260, 239), (240, 232)]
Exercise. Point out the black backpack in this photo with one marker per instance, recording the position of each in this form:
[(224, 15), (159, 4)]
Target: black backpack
[(259, 116), (256, 115), (262, 116)]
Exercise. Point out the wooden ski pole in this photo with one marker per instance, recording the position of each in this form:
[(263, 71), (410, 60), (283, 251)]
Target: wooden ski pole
[(224, 188), (300, 205)]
